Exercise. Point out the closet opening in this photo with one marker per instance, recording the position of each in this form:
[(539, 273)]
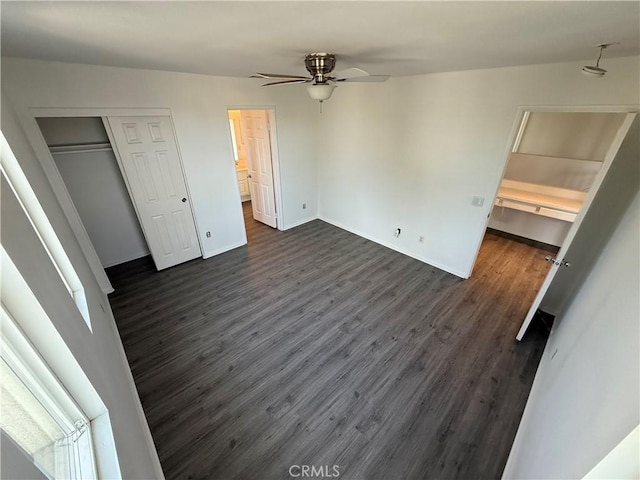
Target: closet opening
[(124, 178), (84, 157), (256, 165), (554, 170)]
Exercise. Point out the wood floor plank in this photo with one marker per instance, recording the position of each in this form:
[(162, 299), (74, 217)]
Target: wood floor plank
[(318, 347)]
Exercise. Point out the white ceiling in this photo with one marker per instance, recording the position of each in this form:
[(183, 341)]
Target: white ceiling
[(239, 38)]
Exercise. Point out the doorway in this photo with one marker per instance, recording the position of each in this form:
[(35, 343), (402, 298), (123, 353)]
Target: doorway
[(554, 170), (253, 141), (125, 181)]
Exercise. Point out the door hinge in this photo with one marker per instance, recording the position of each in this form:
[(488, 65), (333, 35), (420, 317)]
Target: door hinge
[(555, 261)]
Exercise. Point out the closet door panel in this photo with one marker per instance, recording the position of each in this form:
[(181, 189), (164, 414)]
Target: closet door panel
[(151, 164)]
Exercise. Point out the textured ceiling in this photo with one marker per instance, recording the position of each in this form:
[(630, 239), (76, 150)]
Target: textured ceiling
[(239, 38)]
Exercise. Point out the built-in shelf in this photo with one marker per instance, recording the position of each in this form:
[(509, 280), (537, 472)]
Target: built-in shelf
[(553, 202)]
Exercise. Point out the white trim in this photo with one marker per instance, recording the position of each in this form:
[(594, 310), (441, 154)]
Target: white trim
[(523, 127), (28, 200), (426, 260), (98, 111), (25, 361), (224, 249), (301, 222), (31, 370), (38, 330)]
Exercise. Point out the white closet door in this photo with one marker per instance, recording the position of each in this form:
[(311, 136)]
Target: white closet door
[(153, 173)]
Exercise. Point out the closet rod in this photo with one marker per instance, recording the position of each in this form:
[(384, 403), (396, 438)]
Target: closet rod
[(81, 148)]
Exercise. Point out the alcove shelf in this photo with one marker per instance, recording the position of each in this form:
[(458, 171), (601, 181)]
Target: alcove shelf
[(553, 202)]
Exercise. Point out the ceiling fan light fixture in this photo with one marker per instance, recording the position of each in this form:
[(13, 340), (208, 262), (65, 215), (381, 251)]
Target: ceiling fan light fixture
[(595, 70), (321, 91)]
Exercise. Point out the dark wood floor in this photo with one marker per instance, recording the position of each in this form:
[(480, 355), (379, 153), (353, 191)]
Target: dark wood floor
[(318, 347)]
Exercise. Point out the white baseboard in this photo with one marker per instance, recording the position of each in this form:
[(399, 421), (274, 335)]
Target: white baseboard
[(223, 249), (428, 261), (297, 224)]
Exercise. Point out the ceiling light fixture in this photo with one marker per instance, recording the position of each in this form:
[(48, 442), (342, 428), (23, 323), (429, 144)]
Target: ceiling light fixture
[(321, 91), (595, 70)]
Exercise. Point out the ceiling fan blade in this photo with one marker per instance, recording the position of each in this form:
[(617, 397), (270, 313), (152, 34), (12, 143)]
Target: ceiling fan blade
[(277, 75), (352, 72), (370, 78), (287, 81)]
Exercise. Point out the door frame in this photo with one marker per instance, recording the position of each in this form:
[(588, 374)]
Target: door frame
[(39, 144), (275, 159), (517, 130)]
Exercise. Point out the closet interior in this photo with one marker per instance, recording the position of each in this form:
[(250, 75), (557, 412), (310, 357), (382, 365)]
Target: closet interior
[(554, 163), (84, 157)]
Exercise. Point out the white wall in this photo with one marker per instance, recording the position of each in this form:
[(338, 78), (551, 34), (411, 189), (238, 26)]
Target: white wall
[(198, 106), (412, 152), (552, 171), (72, 130), (99, 352), (97, 188), (585, 397), (570, 135), (529, 225)]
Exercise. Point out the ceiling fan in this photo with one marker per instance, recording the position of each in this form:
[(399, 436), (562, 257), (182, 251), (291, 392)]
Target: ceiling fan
[(322, 78)]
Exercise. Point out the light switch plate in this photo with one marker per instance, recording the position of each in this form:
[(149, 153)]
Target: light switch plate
[(477, 201)]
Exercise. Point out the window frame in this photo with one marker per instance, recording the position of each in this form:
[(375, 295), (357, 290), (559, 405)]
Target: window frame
[(32, 370), (17, 180)]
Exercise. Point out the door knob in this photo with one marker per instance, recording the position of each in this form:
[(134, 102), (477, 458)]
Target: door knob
[(248, 175), (184, 200), (555, 261)]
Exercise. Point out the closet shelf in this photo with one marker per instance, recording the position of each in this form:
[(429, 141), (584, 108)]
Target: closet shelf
[(559, 203), (81, 148)]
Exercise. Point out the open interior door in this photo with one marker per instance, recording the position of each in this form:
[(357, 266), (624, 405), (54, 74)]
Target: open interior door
[(559, 260), (257, 141)]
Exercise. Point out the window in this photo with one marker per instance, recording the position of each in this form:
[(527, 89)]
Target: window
[(20, 186), (38, 414)]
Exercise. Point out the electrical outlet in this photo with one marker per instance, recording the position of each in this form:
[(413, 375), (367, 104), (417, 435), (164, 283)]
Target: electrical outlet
[(397, 232), (304, 206), (477, 201), (421, 239), (208, 234)]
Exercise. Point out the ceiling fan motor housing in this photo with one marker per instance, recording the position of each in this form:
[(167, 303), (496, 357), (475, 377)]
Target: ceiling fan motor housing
[(319, 65)]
